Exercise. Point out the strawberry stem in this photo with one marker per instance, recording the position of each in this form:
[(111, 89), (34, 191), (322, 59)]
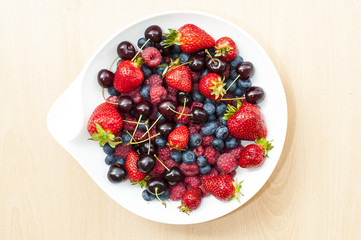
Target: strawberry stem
[(184, 208), (140, 50), (113, 63)]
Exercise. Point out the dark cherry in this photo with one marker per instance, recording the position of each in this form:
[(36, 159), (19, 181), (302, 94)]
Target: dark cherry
[(216, 65), (125, 104), (165, 128), (145, 163), (199, 115), (154, 33), (254, 95), (197, 63), (105, 78), (143, 148), (173, 176), (183, 95), (164, 51), (245, 70), (126, 50), (202, 53), (143, 108), (116, 173), (164, 110), (156, 185)]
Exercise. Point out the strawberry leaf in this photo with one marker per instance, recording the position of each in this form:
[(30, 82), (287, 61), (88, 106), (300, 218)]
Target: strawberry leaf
[(265, 145), (172, 38)]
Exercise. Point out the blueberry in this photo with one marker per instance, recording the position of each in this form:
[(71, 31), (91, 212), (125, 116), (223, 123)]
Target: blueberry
[(144, 91), (184, 57), (236, 61), (207, 100), (142, 127), (198, 96), (228, 83), (108, 149), (164, 196), (222, 121), (160, 70), (210, 108), (205, 170), (201, 161), (221, 109), (174, 55), (121, 161), (233, 74), (204, 72), (162, 119), (178, 125), (119, 61), (110, 159), (238, 92), (231, 143), (209, 128), (188, 157), (211, 118), (212, 51), (222, 132), (146, 70), (147, 196), (160, 142), (112, 91), (186, 148), (195, 140), (176, 156), (217, 144), (243, 84), (141, 42), (176, 49), (126, 138)]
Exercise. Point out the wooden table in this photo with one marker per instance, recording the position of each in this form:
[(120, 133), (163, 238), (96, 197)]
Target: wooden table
[(314, 193)]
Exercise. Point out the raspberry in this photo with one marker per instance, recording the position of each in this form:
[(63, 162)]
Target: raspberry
[(156, 93), (211, 155), (170, 163), (192, 182), (153, 116), (129, 126), (236, 152), (164, 153), (135, 95), (151, 56), (195, 87), (157, 170), (195, 76), (196, 126), (233, 173), (121, 151), (192, 130), (227, 162), (213, 173), (198, 151), (189, 169), (138, 135), (113, 99), (153, 132), (153, 80), (183, 119), (176, 192), (171, 97), (167, 60), (196, 104), (206, 142), (172, 90)]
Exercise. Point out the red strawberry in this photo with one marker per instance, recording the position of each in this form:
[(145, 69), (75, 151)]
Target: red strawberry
[(133, 173), (180, 78), (191, 200), (226, 49), (178, 138), (245, 122), (128, 76), (104, 122), (190, 38), (212, 86), (222, 187), (254, 155)]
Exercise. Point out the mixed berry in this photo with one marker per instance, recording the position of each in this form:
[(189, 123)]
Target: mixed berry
[(178, 110)]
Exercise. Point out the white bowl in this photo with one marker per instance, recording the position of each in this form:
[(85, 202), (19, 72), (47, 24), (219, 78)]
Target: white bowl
[(84, 94)]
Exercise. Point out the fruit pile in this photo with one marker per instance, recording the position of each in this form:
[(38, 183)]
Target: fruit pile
[(178, 110)]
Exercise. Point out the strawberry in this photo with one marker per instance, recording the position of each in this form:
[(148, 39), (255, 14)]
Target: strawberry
[(191, 200), (128, 75), (254, 155), (178, 138), (190, 38), (245, 122), (222, 187), (104, 123), (180, 78), (212, 86), (133, 173), (226, 49)]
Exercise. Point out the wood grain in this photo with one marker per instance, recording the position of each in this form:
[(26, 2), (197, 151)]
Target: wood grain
[(314, 192)]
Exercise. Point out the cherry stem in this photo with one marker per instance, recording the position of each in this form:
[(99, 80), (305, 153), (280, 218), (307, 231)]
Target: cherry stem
[(145, 123), (229, 99), (106, 99), (161, 163), (113, 63), (152, 125), (146, 139), (156, 194), (233, 82), (140, 50), (215, 63), (180, 65), (184, 106), (178, 112), (132, 138), (136, 127)]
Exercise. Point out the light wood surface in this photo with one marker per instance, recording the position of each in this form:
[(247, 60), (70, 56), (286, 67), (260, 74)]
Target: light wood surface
[(314, 193)]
